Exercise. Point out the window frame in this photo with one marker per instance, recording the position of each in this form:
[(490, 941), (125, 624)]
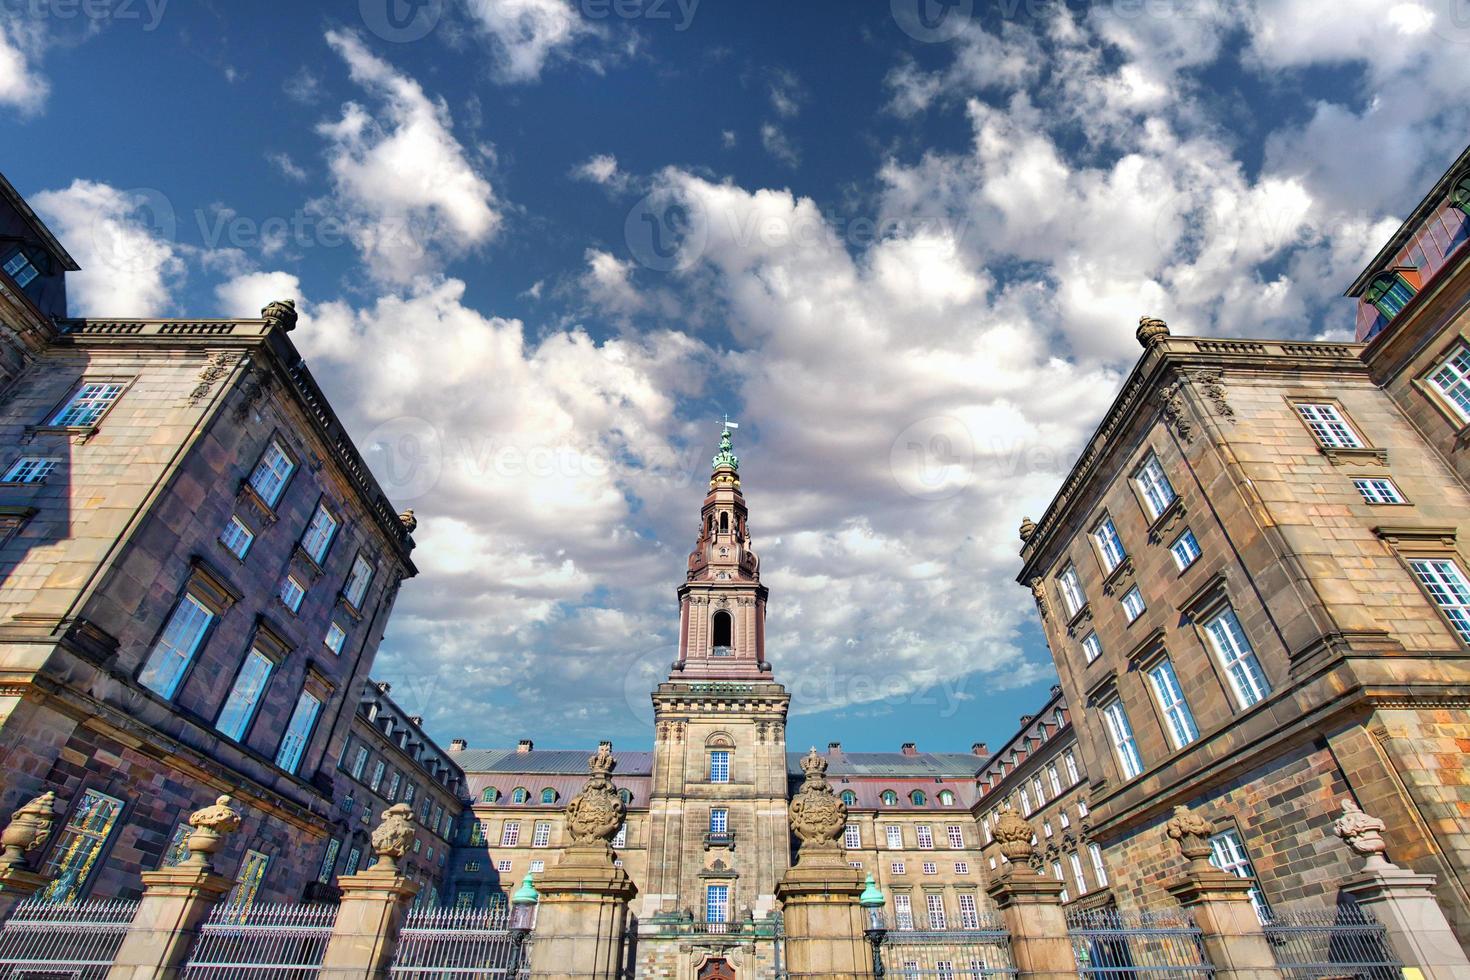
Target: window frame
[(54, 416), (235, 523), (1219, 658), (720, 765), (248, 720), (1455, 413), (1069, 586), (1121, 734), (278, 442), (36, 469), (326, 546), (1092, 648), (1367, 489), (1187, 533), (1107, 544), (1461, 630), (305, 736), (1322, 432), (1151, 465), (1168, 702), (360, 559), (70, 834), (1129, 599), (1374, 296), (188, 594)]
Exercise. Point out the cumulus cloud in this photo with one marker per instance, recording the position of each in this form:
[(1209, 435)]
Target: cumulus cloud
[(22, 87), (602, 169), (525, 36)]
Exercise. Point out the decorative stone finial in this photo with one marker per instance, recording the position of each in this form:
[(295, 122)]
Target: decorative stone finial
[(280, 313), (726, 457), (595, 814), (29, 828), (210, 824), (1014, 836), (393, 837), (1192, 833), (1028, 528), (817, 815), (1151, 330), (1364, 834), (409, 522)]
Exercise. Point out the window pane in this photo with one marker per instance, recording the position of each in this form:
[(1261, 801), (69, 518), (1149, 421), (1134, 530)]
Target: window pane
[(719, 767), (271, 473), (717, 904), (247, 882), (1177, 717), (1158, 492), (1237, 657), (318, 536), (87, 405), (29, 469), (1447, 586), (80, 845), (298, 732), (245, 695), (1109, 544), (237, 537), (1453, 381), (1185, 549), (1328, 426), (358, 581), (175, 647), (1123, 744)]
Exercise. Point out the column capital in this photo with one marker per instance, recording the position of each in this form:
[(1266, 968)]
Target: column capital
[(1018, 884), (375, 883), (1196, 887)]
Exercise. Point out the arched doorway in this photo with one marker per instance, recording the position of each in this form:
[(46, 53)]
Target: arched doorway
[(716, 970)]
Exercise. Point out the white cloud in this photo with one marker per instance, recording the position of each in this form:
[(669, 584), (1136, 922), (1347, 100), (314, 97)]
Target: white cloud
[(289, 168), (22, 87), (247, 294), (608, 282), (787, 93), (124, 240), (527, 35), (405, 187), (602, 169), (779, 145)]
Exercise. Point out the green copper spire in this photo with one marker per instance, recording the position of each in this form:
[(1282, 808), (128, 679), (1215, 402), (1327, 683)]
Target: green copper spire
[(726, 457)]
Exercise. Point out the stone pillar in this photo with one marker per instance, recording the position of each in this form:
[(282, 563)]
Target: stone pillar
[(374, 904), (175, 902), (824, 922), (17, 885), (1031, 906), (1402, 900), (1233, 937)]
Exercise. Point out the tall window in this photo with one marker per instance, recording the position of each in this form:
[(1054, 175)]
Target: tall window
[(723, 634), (620, 839), (719, 821), (1091, 647), (1185, 549), (541, 834), (1071, 589), (1056, 872), (349, 867), (178, 847), (1070, 761), (1055, 778), (1177, 717), (925, 835), (719, 766), (1099, 869), (1025, 802), (319, 534), (1328, 426), (510, 834), (1122, 735), (357, 583), (76, 852), (1038, 789), (1237, 657), (244, 697), (717, 903), (271, 473), (359, 762), (1447, 586), (292, 592), (88, 404), (895, 837), (1133, 606), (969, 913), (852, 836), (1158, 492), (237, 538), (1389, 292), (903, 912), (1452, 378), (329, 861), (1109, 545), (1227, 852), (298, 732), (176, 646), (335, 637), (1076, 861), (956, 835), (934, 904), (247, 882), (30, 469), (1378, 490)]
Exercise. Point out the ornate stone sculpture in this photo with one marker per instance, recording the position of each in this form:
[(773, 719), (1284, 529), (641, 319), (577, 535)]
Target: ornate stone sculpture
[(1364, 834), (1192, 833), (1014, 836), (410, 523), (817, 815), (1028, 528), (393, 837), (280, 313), (29, 828), (1151, 330), (210, 826), (596, 813), (1038, 592)]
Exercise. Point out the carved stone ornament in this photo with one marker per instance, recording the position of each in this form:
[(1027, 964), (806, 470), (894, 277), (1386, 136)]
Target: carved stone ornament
[(1192, 833), (817, 815), (394, 836), (1028, 528), (215, 368), (409, 521), (1213, 386), (29, 828), (280, 313), (1364, 834), (595, 814), (1014, 834), (210, 824), (1171, 401), (1038, 592), (1150, 331)]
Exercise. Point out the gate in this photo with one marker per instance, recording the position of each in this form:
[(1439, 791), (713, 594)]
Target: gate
[(272, 942), (74, 942), (1342, 942), (1137, 945), (459, 944), (950, 954)]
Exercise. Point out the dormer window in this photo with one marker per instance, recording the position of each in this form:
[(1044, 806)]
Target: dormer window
[(1389, 292), (1460, 193), (890, 798), (20, 268)]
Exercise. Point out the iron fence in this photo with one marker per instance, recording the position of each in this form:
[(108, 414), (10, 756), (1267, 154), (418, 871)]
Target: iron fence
[(77, 942), (460, 944), (949, 954), (1138, 945), (1342, 942), (276, 942)]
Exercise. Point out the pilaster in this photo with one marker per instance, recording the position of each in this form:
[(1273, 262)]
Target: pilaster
[(582, 916), (824, 922)]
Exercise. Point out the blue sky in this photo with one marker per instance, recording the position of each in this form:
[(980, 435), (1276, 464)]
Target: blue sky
[(540, 245)]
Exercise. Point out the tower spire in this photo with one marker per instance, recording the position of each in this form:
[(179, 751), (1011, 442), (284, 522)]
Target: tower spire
[(726, 456)]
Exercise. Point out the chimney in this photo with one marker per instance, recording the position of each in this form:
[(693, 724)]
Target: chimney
[(417, 720), (980, 749), (834, 747), (525, 745), (909, 748), (1026, 720), (458, 745)]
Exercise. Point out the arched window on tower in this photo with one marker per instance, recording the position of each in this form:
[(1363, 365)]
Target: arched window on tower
[(724, 520), (723, 634)]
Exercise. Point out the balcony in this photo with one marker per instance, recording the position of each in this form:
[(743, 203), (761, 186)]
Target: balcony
[(683, 924), (719, 838)]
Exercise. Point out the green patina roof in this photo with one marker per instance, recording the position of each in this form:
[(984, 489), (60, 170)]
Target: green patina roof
[(726, 456)]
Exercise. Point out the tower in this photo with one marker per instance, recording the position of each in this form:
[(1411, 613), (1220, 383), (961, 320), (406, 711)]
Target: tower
[(718, 837)]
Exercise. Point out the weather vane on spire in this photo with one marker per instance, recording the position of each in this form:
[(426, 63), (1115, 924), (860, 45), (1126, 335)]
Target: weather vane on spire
[(726, 456)]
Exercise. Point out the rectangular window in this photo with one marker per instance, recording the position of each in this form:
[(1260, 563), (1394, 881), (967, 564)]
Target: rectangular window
[(1185, 549), (956, 835), (20, 268), (359, 762), (1133, 606), (377, 779), (1328, 426), (852, 836), (1237, 657), (1227, 852), (1081, 808), (1076, 861), (538, 866), (88, 404), (335, 638), (1376, 490), (477, 834), (1158, 492), (30, 469), (1063, 819), (1122, 736), (1071, 589), (897, 867), (717, 903), (393, 785), (1025, 802), (503, 866), (510, 834), (1452, 378), (245, 695), (935, 907), (178, 847), (1070, 761), (1109, 545), (298, 732), (1039, 790), (969, 912), (541, 834), (930, 868), (620, 839), (1091, 647), (895, 837), (1446, 585), (925, 835), (176, 647), (79, 846), (357, 583), (271, 473), (247, 882), (1055, 778), (719, 766), (1056, 872), (903, 912), (962, 867), (1177, 717), (1046, 830), (237, 538), (1099, 869), (319, 534), (719, 821), (329, 861), (292, 592), (354, 857)]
